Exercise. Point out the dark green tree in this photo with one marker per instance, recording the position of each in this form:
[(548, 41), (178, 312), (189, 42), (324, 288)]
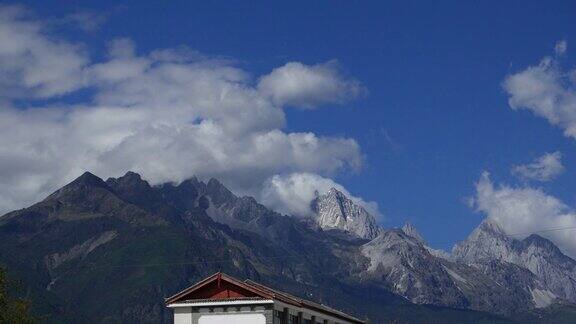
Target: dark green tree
[(13, 310)]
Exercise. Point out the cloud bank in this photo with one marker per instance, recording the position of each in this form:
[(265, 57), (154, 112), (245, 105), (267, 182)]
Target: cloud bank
[(168, 114), (524, 210), (545, 168)]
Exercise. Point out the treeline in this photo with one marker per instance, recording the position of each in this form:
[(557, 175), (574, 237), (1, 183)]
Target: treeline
[(13, 310)]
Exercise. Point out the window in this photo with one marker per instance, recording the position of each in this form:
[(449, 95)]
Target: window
[(294, 319), (278, 316)]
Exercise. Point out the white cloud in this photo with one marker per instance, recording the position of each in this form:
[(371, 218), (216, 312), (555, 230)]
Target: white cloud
[(544, 168), (31, 63), (526, 210), (168, 114), (560, 47), (547, 91), (292, 194), (309, 86)]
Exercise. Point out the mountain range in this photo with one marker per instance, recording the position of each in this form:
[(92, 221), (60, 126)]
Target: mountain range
[(110, 251)]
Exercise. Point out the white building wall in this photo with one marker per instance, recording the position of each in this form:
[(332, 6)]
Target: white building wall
[(237, 313), (224, 314), (183, 315), (232, 319)]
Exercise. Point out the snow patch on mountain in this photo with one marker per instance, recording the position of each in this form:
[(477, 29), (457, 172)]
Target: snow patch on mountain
[(542, 298)]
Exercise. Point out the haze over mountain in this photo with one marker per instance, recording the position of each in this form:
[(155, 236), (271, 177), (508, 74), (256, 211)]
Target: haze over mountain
[(110, 250)]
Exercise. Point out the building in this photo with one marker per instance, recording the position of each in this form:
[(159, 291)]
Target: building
[(221, 299)]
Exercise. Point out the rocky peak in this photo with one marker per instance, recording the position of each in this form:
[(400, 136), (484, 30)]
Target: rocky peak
[(336, 194), (185, 196), (488, 228), (131, 175), (80, 187), (89, 197), (333, 210), (542, 243), (132, 188), (87, 179), (410, 269), (192, 184), (130, 181), (488, 243), (392, 237), (489, 225), (218, 193), (411, 231)]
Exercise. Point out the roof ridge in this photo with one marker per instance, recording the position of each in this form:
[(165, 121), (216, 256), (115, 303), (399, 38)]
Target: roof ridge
[(275, 292)]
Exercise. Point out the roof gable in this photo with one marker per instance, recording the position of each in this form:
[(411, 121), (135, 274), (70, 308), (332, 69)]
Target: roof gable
[(218, 286)]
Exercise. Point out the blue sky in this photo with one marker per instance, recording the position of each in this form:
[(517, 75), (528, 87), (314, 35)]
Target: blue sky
[(436, 114)]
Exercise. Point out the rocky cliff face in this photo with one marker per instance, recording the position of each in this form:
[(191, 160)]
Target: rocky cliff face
[(404, 264), (412, 232), (555, 271), (333, 210), (400, 260), (487, 242)]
